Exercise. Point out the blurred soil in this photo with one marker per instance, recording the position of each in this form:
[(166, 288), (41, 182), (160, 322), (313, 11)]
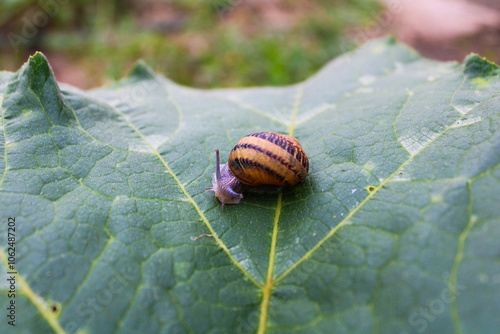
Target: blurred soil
[(437, 29), (447, 29)]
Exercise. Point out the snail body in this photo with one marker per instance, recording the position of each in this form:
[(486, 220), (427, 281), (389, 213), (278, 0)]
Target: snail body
[(259, 161)]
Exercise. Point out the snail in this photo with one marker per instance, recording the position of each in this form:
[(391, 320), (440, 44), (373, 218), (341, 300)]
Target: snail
[(259, 162)]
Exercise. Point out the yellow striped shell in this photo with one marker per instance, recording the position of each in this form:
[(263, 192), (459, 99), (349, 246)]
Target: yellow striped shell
[(268, 158), (259, 159)]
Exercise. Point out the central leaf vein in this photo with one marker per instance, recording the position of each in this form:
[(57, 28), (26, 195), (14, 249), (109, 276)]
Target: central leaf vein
[(267, 288)]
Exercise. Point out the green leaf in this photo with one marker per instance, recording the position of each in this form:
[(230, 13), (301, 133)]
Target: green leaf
[(395, 230)]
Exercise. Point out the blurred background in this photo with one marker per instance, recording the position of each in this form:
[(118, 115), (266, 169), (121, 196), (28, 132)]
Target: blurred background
[(232, 43)]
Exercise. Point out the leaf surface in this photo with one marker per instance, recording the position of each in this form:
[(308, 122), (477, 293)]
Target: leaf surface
[(395, 230)]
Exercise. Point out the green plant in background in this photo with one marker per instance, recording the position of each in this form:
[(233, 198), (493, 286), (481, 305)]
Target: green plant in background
[(395, 229), (204, 43)]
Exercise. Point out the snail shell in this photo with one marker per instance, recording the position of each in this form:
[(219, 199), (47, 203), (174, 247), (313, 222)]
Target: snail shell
[(262, 158)]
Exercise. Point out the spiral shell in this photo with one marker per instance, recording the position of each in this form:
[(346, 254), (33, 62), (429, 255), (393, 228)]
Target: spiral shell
[(268, 158)]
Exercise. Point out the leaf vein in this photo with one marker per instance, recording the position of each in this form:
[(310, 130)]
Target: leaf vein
[(190, 199), (267, 288), (37, 301), (367, 198)]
